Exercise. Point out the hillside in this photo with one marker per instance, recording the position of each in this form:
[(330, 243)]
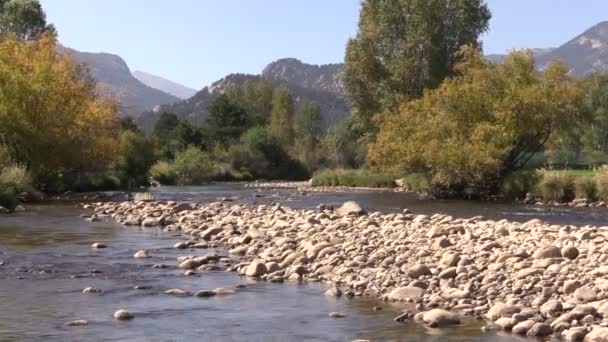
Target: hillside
[(164, 85), (114, 77)]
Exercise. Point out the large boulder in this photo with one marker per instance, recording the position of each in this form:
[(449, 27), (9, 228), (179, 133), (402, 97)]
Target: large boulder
[(438, 318), (502, 310), (406, 293), (350, 208), (548, 252), (256, 269)]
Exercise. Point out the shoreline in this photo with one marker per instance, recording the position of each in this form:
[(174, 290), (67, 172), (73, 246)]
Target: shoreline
[(531, 278)]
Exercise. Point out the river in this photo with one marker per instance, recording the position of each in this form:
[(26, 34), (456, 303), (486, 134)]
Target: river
[(46, 261)]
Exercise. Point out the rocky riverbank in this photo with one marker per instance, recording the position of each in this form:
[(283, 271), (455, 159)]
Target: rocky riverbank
[(532, 278)]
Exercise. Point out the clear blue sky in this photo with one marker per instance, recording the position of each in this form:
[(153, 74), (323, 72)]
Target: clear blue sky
[(195, 42)]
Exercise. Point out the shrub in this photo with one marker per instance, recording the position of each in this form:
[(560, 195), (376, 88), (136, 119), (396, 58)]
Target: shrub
[(353, 178), (416, 182), (193, 166), (556, 186), (8, 198), (586, 187), (520, 183), (16, 177), (164, 173), (601, 180)]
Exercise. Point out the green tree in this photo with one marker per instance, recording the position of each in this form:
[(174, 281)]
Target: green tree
[(281, 115), (261, 154), (226, 121), (479, 126), (255, 97), (137, 155), (404, 47), (164, 126), (307, 129), (24, 18)]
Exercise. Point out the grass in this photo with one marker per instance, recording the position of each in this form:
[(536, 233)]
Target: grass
[(353, 178)]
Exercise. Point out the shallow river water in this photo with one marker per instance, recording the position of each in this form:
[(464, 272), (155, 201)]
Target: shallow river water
[(46, 261)]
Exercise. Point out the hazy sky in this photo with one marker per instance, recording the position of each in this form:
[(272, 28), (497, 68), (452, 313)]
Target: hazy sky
[(195, 42)]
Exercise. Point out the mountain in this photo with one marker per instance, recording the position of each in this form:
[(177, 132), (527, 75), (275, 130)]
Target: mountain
[(585, 54), (319, 83), (164, 85), (114, 77)]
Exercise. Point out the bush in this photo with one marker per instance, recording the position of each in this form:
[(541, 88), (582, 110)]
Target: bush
[(9, 198), (163, 173), (261, 155), (416, 182), (601, 181), (586, 187), (353, 178), (16, 177), (556, 186), (520, 183), (193, 166)]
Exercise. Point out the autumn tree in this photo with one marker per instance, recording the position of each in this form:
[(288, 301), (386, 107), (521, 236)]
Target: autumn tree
[(281, 116), (403, 47), (480, 125), (50, 117)]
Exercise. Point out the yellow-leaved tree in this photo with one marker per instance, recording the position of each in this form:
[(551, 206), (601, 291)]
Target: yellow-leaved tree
[(51, 119), (478, 126)]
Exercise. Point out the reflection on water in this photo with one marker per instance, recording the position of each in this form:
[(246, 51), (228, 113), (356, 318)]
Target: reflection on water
[(47, 261)]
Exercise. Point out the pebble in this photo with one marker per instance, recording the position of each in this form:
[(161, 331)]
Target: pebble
[(122, 315), (77, 323), (141, 254)]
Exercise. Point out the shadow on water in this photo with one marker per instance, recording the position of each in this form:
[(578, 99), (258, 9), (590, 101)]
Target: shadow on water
[(47, 261)]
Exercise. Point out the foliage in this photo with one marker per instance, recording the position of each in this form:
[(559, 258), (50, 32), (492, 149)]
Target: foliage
[(353, 178), (23, 18), (416, 182), (9, 198), (340, 147), (137, 155), (281, 116), (556, 186), (16, 177), (261, 155), (479, 126), (164, 127), (226, 121), (193, 167), (307, 129), (520, 183), (255, 97), (52, 120), (403, 47), (601, 179), (163, 173), (586, 187)]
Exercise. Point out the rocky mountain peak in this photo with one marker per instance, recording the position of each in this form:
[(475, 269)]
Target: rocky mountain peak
[(327, 77)]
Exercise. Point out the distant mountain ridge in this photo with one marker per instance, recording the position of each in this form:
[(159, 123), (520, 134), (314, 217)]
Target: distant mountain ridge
[(114, 76), (164, 85), (319, 83)]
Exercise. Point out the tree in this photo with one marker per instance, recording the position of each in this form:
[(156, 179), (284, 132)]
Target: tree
[(307, 129), (255, 97), (281, 115), (137, 155), (24, 18), (164, 126), (226, 121), (404, 47), (51, 119), (479, 126)]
